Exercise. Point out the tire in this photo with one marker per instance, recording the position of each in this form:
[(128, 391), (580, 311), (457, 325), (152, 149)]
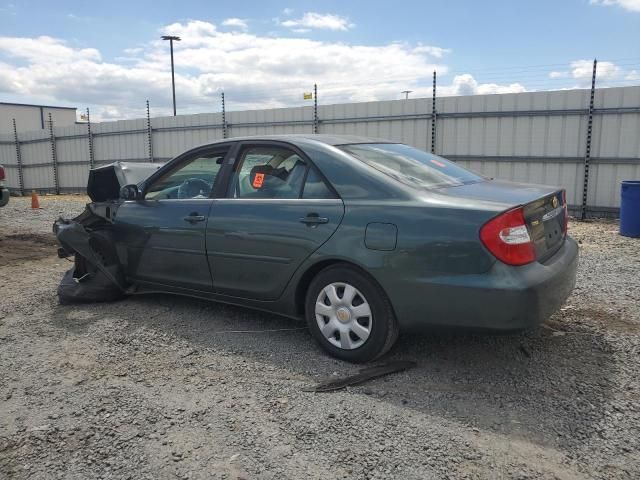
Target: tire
[(346, 293)]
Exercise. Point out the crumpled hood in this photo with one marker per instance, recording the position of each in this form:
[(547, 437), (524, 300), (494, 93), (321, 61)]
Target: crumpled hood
[(105, 181)]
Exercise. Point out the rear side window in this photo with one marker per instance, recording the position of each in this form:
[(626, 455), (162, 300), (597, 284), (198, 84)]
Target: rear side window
[(315, 187), (411, 166)]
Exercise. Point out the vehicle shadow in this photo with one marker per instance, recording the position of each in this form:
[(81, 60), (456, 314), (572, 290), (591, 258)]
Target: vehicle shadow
[(546, 386)]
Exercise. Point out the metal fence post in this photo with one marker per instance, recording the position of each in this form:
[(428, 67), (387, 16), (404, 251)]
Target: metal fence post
[(433, 115), (224, 119), (149, 134), (18, 158), (315, 108), (587, 154), (90, 136), (54, 156)]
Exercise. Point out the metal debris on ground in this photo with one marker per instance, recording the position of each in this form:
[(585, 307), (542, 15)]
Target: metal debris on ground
[(362, 376)]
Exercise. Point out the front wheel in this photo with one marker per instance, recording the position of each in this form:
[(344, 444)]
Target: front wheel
[(350, 315)]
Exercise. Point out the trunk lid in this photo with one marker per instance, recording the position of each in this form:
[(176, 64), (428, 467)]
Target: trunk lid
[(547, 222), (544, 209)]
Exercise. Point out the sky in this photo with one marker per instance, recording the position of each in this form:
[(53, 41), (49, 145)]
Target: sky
[(108, 56)]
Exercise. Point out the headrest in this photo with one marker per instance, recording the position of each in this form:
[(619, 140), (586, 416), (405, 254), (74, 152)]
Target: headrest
[(258, 174)]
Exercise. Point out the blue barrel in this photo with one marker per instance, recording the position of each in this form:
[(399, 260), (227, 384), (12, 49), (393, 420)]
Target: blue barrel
[(630, 208)]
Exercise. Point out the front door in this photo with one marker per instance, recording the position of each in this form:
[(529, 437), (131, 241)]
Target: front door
[(162, 237), (278, 211)]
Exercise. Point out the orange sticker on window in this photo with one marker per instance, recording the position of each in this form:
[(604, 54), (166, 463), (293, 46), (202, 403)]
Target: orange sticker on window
[(258, 180)]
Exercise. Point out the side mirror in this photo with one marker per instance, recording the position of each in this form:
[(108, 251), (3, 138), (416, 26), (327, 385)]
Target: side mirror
[(129, 192)]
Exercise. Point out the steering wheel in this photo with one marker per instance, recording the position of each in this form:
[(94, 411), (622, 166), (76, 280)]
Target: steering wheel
[(194, 187)]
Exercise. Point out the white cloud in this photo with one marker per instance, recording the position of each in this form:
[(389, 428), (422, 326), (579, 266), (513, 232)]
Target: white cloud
[(133, 50), (467, 85), (633, 75), (45, 50), (436, 52), (287, 11), (236, 22), (254, 71), (583, 70), (630, 5), (608, 74), (326, 21)]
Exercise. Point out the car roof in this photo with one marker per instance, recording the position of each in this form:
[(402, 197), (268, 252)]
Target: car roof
[(301, 138)]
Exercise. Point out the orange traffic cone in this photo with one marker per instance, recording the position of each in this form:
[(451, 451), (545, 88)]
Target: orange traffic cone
[(35, 203)]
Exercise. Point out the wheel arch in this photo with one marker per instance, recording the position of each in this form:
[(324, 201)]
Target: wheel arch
[(310, 273)]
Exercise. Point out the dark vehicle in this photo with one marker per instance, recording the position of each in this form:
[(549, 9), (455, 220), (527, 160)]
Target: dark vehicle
[(4, 191), (362, 238)]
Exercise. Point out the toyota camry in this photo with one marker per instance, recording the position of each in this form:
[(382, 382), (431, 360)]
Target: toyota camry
[(362, 238)]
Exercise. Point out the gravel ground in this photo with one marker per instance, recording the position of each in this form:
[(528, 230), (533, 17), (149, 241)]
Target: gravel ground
[(165, 387)]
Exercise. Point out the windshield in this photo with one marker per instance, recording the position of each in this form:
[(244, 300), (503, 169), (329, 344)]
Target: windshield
[(411, 166)]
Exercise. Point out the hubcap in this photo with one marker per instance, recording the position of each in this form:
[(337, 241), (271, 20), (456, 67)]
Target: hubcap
[(343, 316)]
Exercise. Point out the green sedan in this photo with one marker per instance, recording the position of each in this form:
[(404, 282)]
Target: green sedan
[(362, 238)]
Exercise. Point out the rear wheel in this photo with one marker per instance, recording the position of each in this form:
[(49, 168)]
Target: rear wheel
[(350, 315)]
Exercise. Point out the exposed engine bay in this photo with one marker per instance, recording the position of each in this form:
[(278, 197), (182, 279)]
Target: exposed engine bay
[(96, 275)]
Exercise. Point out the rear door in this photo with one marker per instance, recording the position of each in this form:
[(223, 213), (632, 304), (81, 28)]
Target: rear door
[(278, 211), (162, 236)]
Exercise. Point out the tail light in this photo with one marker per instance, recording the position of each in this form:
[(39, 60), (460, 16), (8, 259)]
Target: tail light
[(1, 173), (507, 238), (566, 211)]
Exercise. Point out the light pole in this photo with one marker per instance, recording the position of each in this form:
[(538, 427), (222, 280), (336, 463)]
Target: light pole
[(406, 94), (171, 38)]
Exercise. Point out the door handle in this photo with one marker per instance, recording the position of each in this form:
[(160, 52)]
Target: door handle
[(194, 218), (313, 219)]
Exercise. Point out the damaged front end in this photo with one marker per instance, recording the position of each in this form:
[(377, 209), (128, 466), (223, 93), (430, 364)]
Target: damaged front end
[(97, 274)]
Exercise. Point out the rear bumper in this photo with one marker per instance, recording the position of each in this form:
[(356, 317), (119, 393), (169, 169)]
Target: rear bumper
[(503, 299), (4, 196)]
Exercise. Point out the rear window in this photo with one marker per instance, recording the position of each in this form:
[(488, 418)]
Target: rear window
[(411, 166)]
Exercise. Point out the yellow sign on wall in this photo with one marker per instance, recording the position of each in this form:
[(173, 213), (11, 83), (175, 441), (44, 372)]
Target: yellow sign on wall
[(308, 95)]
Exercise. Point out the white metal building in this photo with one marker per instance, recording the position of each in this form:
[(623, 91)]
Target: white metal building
[(34, 117)]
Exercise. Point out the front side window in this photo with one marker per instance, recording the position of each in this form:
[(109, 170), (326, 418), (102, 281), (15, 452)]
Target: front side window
[(268, 172), (192, 179), (411, 166)]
